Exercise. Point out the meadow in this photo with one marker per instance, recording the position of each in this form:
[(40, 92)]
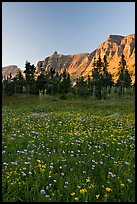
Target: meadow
[(72, 150)]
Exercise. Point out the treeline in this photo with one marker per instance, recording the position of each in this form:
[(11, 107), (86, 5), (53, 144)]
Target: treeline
[(51, 82)]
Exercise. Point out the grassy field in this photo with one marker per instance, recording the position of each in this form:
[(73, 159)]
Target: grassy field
[(69, 150)]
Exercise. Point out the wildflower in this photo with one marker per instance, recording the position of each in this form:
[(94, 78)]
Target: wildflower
[(122, 185), (46, 196), (106, 195), (4, 163), (88, 180), (42, 191), (129, 180), (97, 196), (43, 166), (29, 173), (84, 190), (23, 169), (26, 162), (14, 163), (91, 186), (76, 198), (108, 189), (73, 193), (110, 173)]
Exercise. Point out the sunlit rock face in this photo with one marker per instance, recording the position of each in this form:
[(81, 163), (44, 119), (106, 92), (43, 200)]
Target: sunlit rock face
[(11, 69), (82, 63)]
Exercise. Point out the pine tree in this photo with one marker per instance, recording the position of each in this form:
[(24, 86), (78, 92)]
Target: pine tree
[(55, 83), (90, 86), (30, 80), (40, 83), (124, 79), (81, 86), (107, 81), (9, 87), (19, 82), (65, 83), (50, 77), (97, 77)]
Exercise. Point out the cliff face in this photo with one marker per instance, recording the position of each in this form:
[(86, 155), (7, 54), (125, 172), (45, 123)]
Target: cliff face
[(113, 47), (12, 69), (81, 64)]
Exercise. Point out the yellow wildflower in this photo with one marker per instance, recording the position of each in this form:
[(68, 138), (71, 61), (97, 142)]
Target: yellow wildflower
[(122, 185), (73, 193), (88, 180), (91, 186), (97, 196), (84, 190), (76, 199), (108, 189), (43, 166)]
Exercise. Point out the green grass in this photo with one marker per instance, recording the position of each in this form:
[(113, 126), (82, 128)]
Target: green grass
[(68, 150), (123, 104)]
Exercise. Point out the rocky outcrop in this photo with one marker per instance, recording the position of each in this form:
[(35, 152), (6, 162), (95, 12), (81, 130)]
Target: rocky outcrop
[(12, 69), (82, 64)]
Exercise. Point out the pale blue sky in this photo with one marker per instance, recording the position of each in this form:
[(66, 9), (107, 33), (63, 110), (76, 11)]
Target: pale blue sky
[(34, 30)]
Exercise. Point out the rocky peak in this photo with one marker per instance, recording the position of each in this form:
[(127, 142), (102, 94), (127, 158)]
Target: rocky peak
[(115, 38), (82, 63), (11, 69)]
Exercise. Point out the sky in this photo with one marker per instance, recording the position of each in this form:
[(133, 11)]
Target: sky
[(33, 31)]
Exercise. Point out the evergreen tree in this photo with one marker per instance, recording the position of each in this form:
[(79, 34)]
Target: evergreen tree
[(124, 79), (49, 81), (8, 85), (127, 79), (30, 80), (19, 82), (40, 83), (65, 83), (55, 83), (107, 81), (81, 86), (9, 88), (97, 77), (90, 86)]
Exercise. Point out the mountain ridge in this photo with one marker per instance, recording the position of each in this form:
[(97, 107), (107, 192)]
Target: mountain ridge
[(82, 63)]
